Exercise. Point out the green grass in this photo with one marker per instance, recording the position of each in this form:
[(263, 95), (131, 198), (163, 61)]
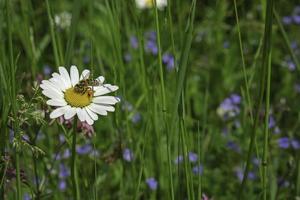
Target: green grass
[(219, 48)]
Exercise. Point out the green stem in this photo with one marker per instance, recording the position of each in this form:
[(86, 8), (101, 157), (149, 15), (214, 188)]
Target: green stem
[(13, 96), (162, 82), (266, 131), (243, 62), (54, 42), (264, 86), (75, 186)]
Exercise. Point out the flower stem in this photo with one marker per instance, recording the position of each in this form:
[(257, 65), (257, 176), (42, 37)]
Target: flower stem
[(75, 186)]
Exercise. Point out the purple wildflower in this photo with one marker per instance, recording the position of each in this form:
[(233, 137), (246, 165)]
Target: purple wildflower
[(287, 20), (127, 155), (272, 122), (296, 19), (277, 130), (136, 118), (193, 157), (294, 45), (295, 144), (235, 98), (151, 47), (61, 138), (233, 146), (284, 142), (169, 60), (26, 196), (229, 107), (47, 70), (134, 43), (151, 35), (62, 185), (297, 87), (85, 149), (63, 171), (239, 172), (66, 154), (198, 170), (152, 183), (178, 160)]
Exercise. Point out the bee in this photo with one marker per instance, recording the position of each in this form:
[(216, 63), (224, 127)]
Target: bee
[(86, 85)]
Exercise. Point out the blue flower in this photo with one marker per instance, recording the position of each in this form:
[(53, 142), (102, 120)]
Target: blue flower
[(85, 149), (134, 43), (136, 118), (66, 154), (230, 107), (193, 157), (179, 159), (47, 70), (272, 122), (63, 171), (239, 172), (233, 146), (169, 60), (62, 185), (152, 183), (26, 196), (127, 155), (295, 144), (284, 142), (151, 47), (287, 20), (235, 98), (198, 170), (296, 19)]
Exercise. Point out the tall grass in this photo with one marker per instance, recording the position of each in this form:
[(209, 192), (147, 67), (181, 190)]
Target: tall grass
[(177, 107)]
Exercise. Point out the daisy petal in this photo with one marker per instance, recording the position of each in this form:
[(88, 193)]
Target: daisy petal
[(98, 109), (85, 74), (61, 81), (106, 107), (48, 86), (51, 94), (51, 85), (59, 111), (91, 114), (70, 113), (80, 114), (57, 102), (88, 119), (107, 88), (106, 100), (65, 75), (74, 75), (101, 79)]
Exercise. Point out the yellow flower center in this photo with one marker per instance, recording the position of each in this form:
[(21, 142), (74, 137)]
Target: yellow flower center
[(76, 99)]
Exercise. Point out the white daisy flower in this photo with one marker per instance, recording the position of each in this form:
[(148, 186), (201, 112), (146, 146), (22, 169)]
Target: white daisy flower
[(142, 4), (62, 89)]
